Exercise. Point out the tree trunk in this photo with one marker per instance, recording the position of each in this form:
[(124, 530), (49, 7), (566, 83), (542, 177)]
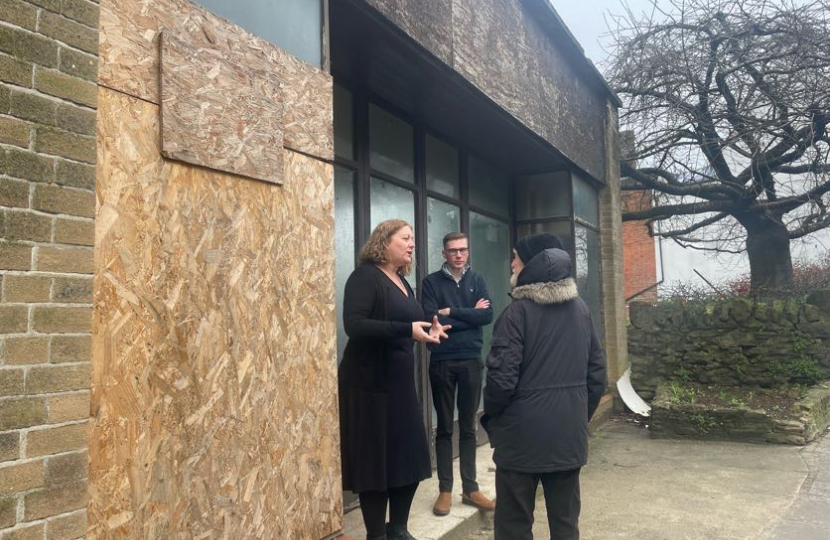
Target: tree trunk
[(768, 247)]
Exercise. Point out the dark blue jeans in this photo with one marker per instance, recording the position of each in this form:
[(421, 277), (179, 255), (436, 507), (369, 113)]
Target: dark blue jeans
[(445, 377)]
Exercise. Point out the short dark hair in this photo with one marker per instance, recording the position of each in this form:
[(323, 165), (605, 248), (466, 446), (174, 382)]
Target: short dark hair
[(449, 237)]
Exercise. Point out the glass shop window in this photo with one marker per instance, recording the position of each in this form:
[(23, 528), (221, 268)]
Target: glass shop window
[(488, 188), (293, 25), (442, 168), (390, 145)]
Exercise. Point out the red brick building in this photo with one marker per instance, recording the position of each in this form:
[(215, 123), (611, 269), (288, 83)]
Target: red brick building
[(639, 260)]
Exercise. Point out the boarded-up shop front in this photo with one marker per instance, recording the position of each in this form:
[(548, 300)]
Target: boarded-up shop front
[(245, 151)]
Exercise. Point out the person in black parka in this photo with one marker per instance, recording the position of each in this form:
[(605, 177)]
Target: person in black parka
[(383, 444), (546, 374)]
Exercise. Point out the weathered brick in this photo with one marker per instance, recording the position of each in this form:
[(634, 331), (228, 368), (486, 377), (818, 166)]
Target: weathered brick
[(8, 511), (9, 447), (66, 468), (71, 349), (77, 175), (66, 527), (51, 379), (29, 47), (28, 226), (30, 532), (69, 260), (66, 86), (27, 289), (5, 94), (33, 107), (76, 119), (29, 166), (51, 5), (63, 320), (14, 131), (60, 200), (15, 256), (43, 442), (78, 64), (19, 13), (17, 478), (14, 193), (74, 231), (72, 291), (65, 144), (22, 412), (14, 319), (82, 11), (50, 502), (68, 407), (11, 382), (26, 350), (69, 32), (15, 71)]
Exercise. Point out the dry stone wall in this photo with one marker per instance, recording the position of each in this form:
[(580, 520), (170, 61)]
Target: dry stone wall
[(735, 343)]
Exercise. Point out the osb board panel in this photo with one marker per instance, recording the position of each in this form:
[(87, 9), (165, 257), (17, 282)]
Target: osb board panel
[(429, 22), (500, 49), (214, 380), (217, 113), (129, 62)]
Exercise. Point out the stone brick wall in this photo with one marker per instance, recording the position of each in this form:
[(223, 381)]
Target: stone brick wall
[(735, 343), (610, 209), (48, 67)]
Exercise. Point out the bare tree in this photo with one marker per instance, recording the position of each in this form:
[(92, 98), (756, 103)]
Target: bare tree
[(729, 101)]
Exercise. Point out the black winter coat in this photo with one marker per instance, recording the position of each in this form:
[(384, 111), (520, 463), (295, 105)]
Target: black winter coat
[(546, 372)]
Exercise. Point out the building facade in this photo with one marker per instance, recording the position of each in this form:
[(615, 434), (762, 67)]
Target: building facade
[(184, 190)]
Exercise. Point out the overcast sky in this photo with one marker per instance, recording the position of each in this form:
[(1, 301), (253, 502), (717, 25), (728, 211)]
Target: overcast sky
[(588, 21)]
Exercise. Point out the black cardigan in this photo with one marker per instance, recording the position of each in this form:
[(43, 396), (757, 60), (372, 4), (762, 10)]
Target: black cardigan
[(364, 319)]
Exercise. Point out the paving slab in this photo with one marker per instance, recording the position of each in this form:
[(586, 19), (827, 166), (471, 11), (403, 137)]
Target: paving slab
[(639, 488)]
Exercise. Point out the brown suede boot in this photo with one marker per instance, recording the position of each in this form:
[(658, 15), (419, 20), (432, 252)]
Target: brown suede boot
[(477, 499), (442, 504)]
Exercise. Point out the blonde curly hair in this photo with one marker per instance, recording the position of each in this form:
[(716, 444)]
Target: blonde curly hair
[(375, 250)]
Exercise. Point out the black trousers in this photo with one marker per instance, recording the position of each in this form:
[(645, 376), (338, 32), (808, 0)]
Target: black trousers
[(445, 377), (516, 496)]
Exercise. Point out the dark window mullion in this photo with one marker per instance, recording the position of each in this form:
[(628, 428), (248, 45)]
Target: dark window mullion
[(393, 180)]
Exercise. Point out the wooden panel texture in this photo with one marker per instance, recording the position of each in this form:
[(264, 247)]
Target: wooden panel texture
[(217, 114), (129, 63), (214, 380)]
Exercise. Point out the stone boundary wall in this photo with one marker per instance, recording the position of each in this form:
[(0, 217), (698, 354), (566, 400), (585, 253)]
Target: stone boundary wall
[(48, 69), (733, 343)]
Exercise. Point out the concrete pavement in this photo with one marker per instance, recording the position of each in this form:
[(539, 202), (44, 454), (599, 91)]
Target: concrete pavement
[(639, 488)]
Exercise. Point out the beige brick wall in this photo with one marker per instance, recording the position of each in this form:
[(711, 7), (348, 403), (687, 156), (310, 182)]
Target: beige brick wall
[(610, 205), (48, 71)]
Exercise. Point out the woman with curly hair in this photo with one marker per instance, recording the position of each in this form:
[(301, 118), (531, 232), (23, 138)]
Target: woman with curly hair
[(383, 441)]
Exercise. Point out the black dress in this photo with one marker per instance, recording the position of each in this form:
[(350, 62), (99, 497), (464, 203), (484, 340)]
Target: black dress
[(383, 440)]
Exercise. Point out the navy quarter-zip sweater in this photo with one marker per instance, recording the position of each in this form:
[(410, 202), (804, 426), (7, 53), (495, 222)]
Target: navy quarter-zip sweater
[(440, 291)]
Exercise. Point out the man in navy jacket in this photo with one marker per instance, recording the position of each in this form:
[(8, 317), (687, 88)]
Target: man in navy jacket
[(458, 295)]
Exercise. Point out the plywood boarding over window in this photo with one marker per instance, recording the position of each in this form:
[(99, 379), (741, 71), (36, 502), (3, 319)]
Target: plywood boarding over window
[(218, 114), (214, 385), (129, 63)]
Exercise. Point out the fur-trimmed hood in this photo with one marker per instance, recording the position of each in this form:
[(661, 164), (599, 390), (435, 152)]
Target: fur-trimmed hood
[(550, 292), (546, 279)]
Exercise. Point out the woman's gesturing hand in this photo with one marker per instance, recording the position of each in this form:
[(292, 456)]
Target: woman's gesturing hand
[(438, 330), (419, 332)]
